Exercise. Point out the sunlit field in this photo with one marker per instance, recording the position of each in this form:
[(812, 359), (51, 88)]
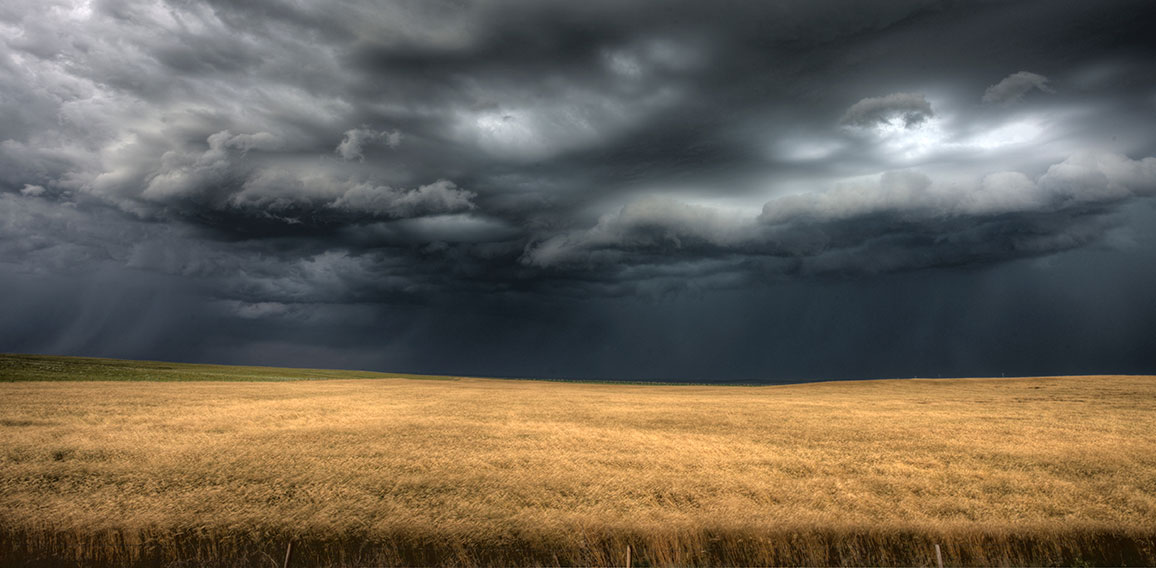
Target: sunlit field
[(458, 471)]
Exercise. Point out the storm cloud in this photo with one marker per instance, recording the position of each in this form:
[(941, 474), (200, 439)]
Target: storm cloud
[(340, 179)]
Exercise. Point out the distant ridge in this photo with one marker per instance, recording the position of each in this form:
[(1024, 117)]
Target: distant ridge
[(24, 367)]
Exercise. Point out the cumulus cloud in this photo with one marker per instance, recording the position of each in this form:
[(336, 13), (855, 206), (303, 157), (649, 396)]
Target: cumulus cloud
[(32, 190), (182, 174), (911, 109), (353, 144), (442, 196), (1013, 87), (224, 173), (319, 190)]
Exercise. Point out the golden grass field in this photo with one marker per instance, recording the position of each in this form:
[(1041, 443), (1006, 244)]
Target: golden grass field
[(404, 471)]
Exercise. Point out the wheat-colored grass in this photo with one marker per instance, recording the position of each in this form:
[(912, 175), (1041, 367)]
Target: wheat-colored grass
[(473, 471)]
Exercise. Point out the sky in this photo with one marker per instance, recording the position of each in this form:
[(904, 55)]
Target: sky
[(644, 190)]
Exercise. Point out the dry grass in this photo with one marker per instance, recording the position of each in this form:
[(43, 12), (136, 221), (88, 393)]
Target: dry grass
[(1046, 471)]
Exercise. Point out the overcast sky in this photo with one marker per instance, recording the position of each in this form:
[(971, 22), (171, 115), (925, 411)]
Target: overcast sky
[(597, 189)]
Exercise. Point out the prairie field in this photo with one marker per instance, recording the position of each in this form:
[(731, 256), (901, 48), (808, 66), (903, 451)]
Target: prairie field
[(390, 471)]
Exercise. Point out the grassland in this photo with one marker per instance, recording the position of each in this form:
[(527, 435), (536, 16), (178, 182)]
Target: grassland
[(398, 471), (22, 367)]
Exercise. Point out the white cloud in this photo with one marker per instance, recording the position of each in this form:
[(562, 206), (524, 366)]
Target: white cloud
[(181, 174), (548, 124), (906, 109), (1016, 132), (354, 142), (442, 196), (902, 189), (448, 228), (1082, 178), (273, 189), (796, 149), (1095, 176), (1013, 87), (647, 223)]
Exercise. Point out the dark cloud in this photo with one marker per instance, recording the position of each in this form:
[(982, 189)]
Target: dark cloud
[(354, 169)]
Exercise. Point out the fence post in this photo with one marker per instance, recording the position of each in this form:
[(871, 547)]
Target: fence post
[(938, 557), (628, 556)]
